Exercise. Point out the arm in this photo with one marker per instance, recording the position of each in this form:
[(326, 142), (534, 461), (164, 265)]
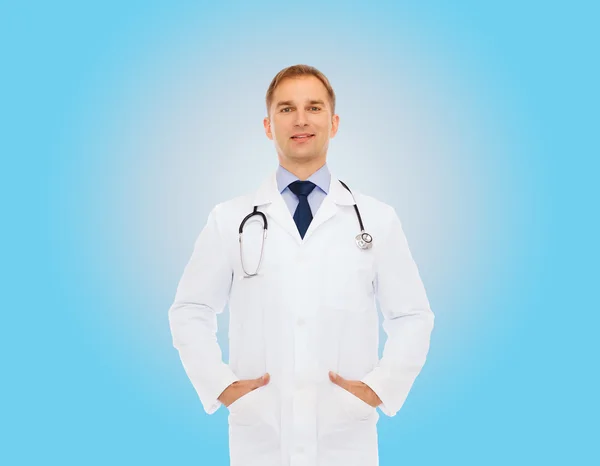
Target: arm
[(201, 294), (408, 320)]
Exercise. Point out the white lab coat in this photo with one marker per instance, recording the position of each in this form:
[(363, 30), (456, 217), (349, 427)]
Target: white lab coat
[(310, 310)]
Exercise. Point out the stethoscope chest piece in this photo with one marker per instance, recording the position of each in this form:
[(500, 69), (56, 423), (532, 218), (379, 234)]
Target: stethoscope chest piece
[(364, 240)]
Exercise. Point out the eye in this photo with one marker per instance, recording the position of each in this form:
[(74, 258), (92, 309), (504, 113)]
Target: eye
[(316, 108), (283, 110)]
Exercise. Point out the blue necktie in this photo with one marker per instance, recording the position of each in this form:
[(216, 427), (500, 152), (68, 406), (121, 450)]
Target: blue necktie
[(302, 215)]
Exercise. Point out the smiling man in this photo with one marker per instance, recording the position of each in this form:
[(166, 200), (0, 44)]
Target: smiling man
[(301, 121), (304, 377)]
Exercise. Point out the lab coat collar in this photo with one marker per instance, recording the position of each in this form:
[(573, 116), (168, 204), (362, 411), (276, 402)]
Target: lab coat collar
[(268, 192), (274, 206)]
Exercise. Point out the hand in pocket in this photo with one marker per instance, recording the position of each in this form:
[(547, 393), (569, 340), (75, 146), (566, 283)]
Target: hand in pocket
[(357, 388), (241, 388)]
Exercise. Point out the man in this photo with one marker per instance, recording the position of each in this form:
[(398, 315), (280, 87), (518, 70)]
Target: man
[(304, 376)]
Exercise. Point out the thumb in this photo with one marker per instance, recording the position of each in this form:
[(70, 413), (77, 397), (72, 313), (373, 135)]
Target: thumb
[(263, 380), (335, 378)]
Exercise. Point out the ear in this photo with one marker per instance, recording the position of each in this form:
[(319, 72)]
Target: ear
[(267, 125), (335, 122)]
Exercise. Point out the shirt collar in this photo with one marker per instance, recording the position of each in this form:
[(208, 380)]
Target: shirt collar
[(321, 178)]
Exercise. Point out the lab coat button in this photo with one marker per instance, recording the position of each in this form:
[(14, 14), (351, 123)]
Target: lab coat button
[(300, 322), (300, 449)]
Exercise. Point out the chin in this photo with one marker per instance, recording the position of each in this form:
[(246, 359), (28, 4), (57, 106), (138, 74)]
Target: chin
[(302, 157)]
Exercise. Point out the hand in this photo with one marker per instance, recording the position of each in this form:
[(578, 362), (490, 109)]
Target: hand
[(240, 388), (357, 388)]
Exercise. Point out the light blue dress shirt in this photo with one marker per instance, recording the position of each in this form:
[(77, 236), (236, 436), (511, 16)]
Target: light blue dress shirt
[(322, 179)]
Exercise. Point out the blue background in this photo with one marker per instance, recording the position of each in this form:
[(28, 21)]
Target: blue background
[(123, 123)]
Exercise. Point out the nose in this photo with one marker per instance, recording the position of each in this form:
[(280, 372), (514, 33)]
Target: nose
[(301, 118)]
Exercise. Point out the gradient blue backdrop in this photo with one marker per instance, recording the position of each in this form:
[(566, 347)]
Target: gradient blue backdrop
[(123, 123)]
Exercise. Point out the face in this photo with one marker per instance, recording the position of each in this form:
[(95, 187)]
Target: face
[(301, 120)]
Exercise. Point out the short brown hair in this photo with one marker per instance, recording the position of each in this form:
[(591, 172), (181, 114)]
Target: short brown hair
[(296, 71)]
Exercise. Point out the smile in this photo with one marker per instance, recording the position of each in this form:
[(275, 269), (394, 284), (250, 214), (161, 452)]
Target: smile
[(302, 138)]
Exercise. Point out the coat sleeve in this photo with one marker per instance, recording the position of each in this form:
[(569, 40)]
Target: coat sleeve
[(408, 320), (202, 293)]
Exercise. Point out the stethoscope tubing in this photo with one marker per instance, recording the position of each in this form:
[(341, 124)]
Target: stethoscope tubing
[(364, 240)]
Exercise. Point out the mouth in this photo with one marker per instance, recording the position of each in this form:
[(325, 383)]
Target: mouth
[(300, 138)]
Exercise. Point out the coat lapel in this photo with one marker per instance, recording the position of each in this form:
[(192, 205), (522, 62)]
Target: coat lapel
[(269, 197), (336, 197), (274, 207)]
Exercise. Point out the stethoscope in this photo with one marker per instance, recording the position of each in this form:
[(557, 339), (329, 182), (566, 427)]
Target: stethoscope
[(363, 240)]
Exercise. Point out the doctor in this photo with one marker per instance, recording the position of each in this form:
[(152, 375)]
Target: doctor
[(304, 376)]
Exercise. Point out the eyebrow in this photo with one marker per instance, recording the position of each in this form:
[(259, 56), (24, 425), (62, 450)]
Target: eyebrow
[(289, 102)]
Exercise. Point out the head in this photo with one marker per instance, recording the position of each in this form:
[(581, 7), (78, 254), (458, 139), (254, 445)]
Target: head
[(301, 102)]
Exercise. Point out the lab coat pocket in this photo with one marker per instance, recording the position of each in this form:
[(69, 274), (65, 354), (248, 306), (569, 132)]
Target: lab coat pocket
[(239, 404), (340, 410), (355, 408), (251, 408), (254, 427), (349, 281), (258, 409)]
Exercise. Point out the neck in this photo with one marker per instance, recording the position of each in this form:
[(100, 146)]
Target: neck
[(303, 170)]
